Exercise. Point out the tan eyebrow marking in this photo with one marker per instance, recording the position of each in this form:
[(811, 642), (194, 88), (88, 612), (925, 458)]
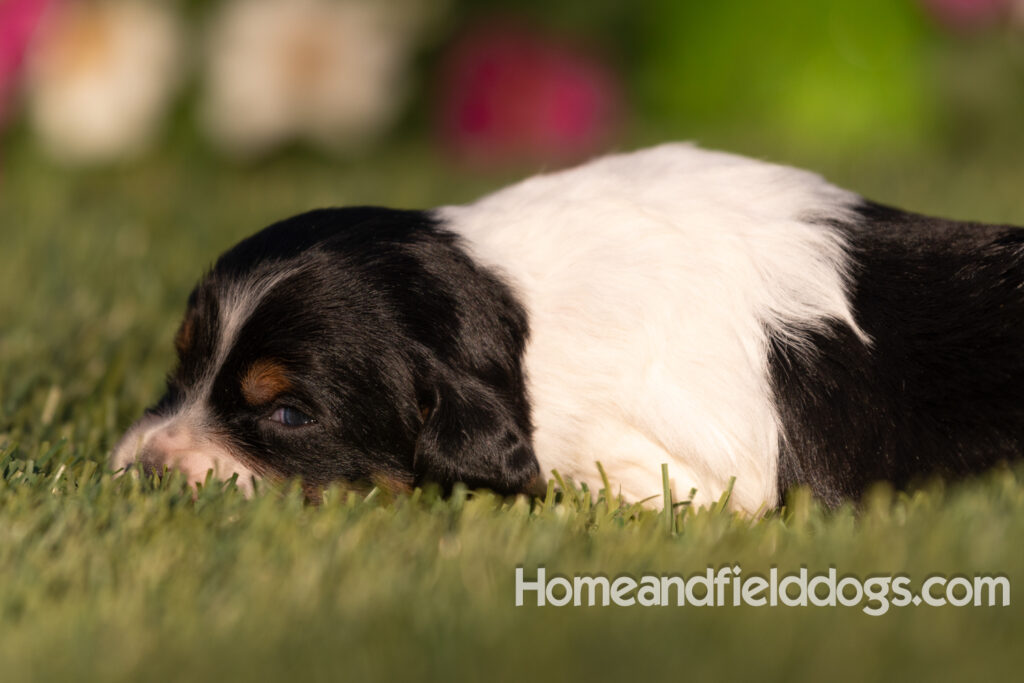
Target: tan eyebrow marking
[(265, 380), (183, 339)]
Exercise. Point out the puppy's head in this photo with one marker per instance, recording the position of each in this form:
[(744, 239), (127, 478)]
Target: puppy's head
[(361, 345)]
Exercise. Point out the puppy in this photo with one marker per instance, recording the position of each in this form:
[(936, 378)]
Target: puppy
[(727, 317)]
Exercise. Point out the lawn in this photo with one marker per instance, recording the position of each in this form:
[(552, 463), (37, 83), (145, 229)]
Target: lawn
[(108, 580)]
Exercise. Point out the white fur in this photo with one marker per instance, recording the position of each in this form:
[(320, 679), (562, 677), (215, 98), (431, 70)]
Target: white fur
[(652, 281)]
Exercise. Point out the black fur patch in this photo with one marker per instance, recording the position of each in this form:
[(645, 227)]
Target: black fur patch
[(941, 388), (406, 354)]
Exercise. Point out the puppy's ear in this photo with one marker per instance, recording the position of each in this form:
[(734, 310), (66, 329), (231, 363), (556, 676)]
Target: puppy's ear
[(470, 434)]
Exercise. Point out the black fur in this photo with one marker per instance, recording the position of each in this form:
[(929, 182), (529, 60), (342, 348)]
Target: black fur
[(406, 353), (940, 390)]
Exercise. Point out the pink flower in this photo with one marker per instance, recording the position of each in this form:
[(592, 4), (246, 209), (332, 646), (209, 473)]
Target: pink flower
[(18, 19), (510, 95), (966, 14)]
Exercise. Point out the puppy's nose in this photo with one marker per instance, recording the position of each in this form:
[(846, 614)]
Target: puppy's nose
[(163, 449), (159, 444), (153, 464)]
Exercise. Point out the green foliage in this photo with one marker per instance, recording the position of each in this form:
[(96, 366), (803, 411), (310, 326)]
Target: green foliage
[(109, 580), (842, 73)]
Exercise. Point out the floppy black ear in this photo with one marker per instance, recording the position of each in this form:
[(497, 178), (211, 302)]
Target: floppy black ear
[(471, 434)]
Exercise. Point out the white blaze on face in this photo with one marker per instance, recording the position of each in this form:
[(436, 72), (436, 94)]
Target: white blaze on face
[(180, 443), (183, 440)]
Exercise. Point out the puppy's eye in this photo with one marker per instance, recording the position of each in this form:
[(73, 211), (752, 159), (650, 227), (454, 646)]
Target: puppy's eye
[(291, 417)]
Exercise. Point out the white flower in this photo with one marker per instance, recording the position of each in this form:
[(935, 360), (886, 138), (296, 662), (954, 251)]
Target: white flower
[(330, 72), (99, 76)]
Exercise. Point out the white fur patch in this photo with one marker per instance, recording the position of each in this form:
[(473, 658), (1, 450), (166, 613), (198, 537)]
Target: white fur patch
[(652, 281)]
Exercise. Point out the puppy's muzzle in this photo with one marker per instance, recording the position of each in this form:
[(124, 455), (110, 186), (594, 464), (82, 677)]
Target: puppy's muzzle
[(157, 444)]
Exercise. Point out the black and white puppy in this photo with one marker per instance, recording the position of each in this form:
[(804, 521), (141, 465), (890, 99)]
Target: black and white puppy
[(725, 316)]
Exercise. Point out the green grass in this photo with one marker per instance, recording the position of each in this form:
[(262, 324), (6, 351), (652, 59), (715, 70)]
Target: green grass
[(109, 580)]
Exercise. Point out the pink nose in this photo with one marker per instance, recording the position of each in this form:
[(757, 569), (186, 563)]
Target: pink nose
[(158, 443), (162, 447)]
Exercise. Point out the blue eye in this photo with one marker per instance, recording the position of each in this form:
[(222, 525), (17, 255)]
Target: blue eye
[(290, 417)]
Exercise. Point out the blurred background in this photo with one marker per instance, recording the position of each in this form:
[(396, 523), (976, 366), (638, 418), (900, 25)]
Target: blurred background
[(139, 138), (495, 85)]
